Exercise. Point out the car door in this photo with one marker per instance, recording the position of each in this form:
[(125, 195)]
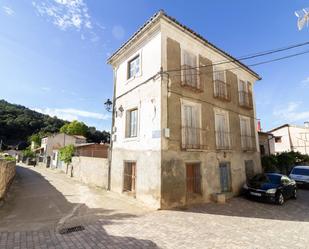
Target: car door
[(287, 186)]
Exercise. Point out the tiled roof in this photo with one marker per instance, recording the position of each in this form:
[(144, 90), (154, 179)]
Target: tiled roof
[(161, 13)]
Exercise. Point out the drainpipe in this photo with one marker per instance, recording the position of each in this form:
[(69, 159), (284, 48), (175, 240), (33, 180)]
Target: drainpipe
[(111, 134)]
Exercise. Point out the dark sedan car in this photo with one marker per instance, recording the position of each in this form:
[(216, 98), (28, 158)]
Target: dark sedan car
[(271, 187)]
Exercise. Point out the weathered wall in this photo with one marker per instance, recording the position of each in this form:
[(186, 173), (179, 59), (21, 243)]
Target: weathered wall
[(90, 170), (7, 173)]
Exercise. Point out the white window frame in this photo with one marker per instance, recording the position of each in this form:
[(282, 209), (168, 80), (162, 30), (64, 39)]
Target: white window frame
[(225, 113), (128, 125), (198, 107), (132, 58), (183, 50)]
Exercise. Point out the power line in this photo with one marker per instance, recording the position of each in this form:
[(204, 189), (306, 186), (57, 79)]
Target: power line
[(250, 65), (242, 58)]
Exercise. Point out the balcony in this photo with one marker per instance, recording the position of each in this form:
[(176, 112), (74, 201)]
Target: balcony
[(222, 90), (223, 140), (245, 99), (190, 78), (192, 138), (248, 142)]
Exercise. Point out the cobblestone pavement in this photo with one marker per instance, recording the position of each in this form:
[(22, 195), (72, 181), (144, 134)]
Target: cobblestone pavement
[(238, 224)]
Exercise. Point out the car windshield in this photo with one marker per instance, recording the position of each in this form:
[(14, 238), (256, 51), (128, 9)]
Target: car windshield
[(274, 178), (260, 178), (299, 171)]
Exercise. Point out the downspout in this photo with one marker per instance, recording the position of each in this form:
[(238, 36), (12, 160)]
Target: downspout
[(290, 140), (111, 134)]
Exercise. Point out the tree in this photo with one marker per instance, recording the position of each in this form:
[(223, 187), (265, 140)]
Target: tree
[(66, 154), (74, 128)]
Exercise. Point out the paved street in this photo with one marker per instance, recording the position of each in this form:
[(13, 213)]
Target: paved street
[(42, 201)]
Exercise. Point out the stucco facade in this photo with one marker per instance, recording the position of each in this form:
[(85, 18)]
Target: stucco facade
[(158, 151), (291, 138)]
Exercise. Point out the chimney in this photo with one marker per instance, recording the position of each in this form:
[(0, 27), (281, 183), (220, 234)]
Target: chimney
[(259, 125), (306, 124)]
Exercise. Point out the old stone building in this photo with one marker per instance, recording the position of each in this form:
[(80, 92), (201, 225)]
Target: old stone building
[(184, 125)]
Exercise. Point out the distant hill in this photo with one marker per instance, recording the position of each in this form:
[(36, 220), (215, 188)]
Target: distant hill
[(18, 123)]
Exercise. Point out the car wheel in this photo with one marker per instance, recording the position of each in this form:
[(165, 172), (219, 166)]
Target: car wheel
[(280, 199), (294, 194)]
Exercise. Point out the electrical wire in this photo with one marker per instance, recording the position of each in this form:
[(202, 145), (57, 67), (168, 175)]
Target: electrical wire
[(255, 55)]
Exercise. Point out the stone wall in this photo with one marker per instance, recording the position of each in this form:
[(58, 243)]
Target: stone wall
[(90, 170), (7, 173)]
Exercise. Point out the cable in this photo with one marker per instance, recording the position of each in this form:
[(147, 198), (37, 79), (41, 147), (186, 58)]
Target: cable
[(258, 54), (250, 65)]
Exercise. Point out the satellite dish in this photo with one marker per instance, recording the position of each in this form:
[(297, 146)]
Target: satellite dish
[(303, 18)]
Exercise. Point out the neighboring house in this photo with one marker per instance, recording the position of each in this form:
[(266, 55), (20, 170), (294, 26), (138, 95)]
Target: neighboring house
[(267, 143), (51, 144), (183, 125), (291, 138)]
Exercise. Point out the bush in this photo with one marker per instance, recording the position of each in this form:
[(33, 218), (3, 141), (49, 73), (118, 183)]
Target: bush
[(269, 164), (28, 153), (66, 153)]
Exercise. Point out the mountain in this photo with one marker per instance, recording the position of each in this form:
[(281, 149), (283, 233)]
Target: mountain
[(18, 123)]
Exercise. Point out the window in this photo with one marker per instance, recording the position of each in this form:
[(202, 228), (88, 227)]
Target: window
[(222, 129), (245, 94), (131, 123), (191, 125), (193, 174), (278, 139), (134, 67), (245, 133), (129, 176), (189, 70), (221, 88)]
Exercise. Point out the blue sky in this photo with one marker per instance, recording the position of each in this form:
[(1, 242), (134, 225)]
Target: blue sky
[(53, 52)]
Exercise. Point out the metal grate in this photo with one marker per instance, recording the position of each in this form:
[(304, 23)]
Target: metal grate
[(71, 229)]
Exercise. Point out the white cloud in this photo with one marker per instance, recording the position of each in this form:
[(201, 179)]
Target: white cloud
[(290, 113), (72, 114), (118, 32), (7, 10), (305, 82), (65, 14)]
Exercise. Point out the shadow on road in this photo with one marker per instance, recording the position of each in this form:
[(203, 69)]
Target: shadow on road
[(33, 204), (292, 210)]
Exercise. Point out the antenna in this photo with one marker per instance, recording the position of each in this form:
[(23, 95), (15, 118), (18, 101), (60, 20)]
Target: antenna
[(303, 18)]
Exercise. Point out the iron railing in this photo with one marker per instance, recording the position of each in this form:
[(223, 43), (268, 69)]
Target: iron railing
[(223, 140), (245, 99), (192, 138), (190, 78), (222, 90)]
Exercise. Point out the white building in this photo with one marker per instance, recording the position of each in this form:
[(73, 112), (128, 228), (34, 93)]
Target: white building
[(291, 138)]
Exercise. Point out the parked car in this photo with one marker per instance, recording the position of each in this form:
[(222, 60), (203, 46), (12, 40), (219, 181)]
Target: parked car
[(271, 187), (301, 175)]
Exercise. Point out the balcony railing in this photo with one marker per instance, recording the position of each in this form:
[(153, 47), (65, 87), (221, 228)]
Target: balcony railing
[(223, 140), (245, 99), (222, 90), (190, 78), (248, 142), (192, 138)]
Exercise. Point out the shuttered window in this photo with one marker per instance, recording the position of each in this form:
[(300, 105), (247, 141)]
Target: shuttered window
[(193, 175), (245, 132), (191, 126), (131, 123), (222, 129), (220, 85), (189, 69)]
